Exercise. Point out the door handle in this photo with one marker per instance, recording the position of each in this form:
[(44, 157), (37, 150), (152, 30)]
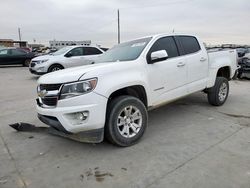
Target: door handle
[(181, 64), (203, 59)]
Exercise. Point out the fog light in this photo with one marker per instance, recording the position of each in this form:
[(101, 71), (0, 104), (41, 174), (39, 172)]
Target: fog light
[(77, 117), (82, 116)]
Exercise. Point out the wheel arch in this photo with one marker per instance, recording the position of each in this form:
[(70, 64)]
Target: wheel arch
[(137, 91), (55, 64), (224, 72)]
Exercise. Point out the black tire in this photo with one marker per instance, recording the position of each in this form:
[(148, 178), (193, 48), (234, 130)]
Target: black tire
[(26, 63), (54, 68), (215, 96), (115, 109)]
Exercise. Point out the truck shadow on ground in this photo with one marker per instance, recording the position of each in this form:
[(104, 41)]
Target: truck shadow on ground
[(165, 141), (160, 119)]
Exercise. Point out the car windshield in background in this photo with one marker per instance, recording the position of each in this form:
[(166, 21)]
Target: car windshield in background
[(62, 50), (127, 51)]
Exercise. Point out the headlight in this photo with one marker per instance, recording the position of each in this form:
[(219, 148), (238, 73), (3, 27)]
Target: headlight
[(77, 88), (41, 61)]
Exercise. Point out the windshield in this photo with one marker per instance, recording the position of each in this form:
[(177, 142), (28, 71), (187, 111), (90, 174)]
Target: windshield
[(127, 51), (62, 50)]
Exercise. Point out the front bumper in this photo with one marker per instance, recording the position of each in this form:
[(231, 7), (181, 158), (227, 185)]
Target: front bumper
[(38, 69), (92, 136), (35, 72), (63, 119)]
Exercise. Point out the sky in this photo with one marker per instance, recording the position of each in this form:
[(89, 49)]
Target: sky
[(214, 21)]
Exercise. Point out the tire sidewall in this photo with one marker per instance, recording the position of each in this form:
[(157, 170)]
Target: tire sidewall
[(220, 81), (26, 63), (53, 66), (114, 113)]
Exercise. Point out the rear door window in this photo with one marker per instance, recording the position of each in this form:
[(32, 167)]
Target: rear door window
[(189, 44), (4, 52), (91, 51), (17, 52)]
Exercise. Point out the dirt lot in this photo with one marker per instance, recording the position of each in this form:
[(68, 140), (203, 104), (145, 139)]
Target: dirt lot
[(188, 144)]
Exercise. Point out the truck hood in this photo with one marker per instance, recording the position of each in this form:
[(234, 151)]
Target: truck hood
[(71, 74)]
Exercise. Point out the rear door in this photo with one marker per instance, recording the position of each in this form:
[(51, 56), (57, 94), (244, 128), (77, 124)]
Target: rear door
[(17, 56), (197, 61), (167, 78)]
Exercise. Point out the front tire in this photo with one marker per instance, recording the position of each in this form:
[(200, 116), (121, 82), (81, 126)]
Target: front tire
[(126, 121), (26, 63), (54, 68), (218, 94)]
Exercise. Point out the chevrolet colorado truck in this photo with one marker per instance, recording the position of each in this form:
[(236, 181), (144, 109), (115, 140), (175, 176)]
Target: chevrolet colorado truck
[(111, 98)]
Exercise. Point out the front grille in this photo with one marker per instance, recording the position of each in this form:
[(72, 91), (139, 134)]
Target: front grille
[(50, 101), (50, 87)]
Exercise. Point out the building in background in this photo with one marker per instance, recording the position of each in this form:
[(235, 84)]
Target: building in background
[(60, 44), (12, 43)]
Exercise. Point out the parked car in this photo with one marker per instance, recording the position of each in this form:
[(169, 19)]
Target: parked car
[(247, 54), (241, 52), (113, 96), (13, 56), (244, 70), (66, 57), (25, 49)]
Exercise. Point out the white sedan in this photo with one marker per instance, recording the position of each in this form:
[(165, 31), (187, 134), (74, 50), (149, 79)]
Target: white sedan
[(70, 56)]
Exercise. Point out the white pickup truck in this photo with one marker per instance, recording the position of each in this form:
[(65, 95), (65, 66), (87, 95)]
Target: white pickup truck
[(111, 98)]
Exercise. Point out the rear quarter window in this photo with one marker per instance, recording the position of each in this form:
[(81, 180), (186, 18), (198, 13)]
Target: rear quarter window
[(189, 44)]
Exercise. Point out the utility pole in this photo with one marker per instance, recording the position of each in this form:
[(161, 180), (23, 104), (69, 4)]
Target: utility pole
[(118, 14), (19, 33)]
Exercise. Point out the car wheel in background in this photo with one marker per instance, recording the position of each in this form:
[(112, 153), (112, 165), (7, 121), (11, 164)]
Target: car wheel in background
[(218, 94), (26, 63), (126, 121), (54, 68)]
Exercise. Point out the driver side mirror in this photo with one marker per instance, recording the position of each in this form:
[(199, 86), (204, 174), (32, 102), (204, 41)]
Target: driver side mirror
[(157, 56)]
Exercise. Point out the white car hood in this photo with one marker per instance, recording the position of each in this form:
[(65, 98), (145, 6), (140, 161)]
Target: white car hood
[(43, 57), (70, 74)]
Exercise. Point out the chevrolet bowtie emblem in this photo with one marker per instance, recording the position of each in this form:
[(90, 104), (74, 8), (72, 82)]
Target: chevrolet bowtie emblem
[(42, 93)]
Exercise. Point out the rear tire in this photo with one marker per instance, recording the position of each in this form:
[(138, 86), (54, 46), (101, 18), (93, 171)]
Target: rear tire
[(126, 121), (218, 94), (54, 68)]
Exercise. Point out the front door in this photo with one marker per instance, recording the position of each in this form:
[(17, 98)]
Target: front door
[(73, 57), (168, 78)]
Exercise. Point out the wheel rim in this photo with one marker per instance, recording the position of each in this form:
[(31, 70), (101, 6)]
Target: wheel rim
[(129, 121), (26, 63), (55, 69), (223, 92)]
